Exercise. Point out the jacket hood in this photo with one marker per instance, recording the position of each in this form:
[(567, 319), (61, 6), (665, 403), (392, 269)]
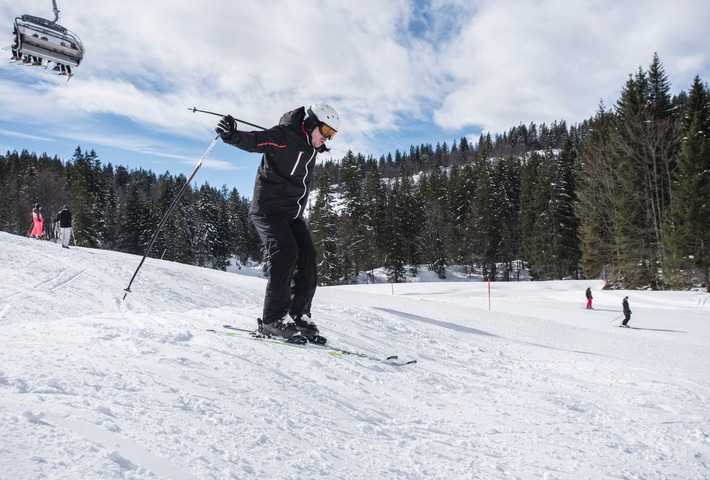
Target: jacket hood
[(295, 119)]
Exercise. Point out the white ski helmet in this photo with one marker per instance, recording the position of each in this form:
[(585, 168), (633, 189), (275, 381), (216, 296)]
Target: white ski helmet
[(326, 114)]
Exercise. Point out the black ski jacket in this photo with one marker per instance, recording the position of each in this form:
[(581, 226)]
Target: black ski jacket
[(625, 306), (284, 176), (64, 219)]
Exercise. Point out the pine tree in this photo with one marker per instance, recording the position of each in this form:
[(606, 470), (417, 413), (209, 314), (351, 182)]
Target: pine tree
[(551, 245), (395, 261), (236, 227), (410, 210), (597, 203), (688, 224), (353, 233), (111, 215), (161, 197), (136, 220), (374, 220), (323, 223), (458, 206), (213, 232), (506, 174), (645, 149), (465, 235), (84, 193), (435, 231)]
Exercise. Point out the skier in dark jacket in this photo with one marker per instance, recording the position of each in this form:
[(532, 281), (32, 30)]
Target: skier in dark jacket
[(281, 190), (64, 220), (627, 312), (588, 294)]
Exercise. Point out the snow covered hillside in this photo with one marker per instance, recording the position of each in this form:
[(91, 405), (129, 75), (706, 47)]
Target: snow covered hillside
[(95, 387)]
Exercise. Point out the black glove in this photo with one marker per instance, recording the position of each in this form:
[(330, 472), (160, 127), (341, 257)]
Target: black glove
[(226, 126)]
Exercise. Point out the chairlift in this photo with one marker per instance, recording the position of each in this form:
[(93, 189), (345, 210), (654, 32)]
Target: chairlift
[(38, 40)]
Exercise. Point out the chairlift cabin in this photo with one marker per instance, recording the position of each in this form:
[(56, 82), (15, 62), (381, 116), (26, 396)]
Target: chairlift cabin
[(46, 39), (41, 38)]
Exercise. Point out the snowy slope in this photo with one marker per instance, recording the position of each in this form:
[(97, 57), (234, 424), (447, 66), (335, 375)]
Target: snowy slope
[(94, 387)]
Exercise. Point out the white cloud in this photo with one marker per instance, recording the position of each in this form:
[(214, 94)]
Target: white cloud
[(523, 61), (459, 64), (11, 133)]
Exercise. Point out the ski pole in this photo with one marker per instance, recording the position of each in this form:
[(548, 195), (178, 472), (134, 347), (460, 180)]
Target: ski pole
[(616, 319), (195, 109), (169, 211)]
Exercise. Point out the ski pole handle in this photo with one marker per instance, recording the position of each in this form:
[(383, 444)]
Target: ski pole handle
[(195, 110)]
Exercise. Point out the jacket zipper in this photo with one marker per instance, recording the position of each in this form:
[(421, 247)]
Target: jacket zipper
[(295, 165), (305, 188)]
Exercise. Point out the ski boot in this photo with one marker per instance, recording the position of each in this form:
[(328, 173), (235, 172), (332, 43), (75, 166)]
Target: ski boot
[(284, 328), (308, 329)]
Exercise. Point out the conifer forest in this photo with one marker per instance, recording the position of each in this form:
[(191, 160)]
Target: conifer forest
[(623, 196)]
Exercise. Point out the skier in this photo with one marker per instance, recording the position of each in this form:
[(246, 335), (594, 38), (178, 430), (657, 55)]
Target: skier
[(627, 312), (15, 46), (64, 70), (37, 221), (281, 189), (64, 219), (588, 293)]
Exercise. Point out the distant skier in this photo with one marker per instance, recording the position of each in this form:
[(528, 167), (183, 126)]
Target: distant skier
[(281, 190), (37, 221), (62, 69), (627, 312), (588, 293), (64, 220)]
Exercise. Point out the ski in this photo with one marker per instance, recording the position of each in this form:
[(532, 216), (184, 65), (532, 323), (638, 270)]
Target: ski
[(331, 350), (260, 338)]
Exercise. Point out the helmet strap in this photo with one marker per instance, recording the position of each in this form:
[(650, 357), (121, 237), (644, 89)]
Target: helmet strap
[(310, 123)]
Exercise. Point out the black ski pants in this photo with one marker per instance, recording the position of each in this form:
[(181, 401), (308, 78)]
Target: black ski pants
[(293, 274)]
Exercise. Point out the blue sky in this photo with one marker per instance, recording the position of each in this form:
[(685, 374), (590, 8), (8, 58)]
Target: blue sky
[(398, 72)]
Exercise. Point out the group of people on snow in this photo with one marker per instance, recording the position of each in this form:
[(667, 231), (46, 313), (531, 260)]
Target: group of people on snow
[(63, 221)]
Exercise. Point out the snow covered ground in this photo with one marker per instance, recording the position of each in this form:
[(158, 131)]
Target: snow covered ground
[(536, 386)]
